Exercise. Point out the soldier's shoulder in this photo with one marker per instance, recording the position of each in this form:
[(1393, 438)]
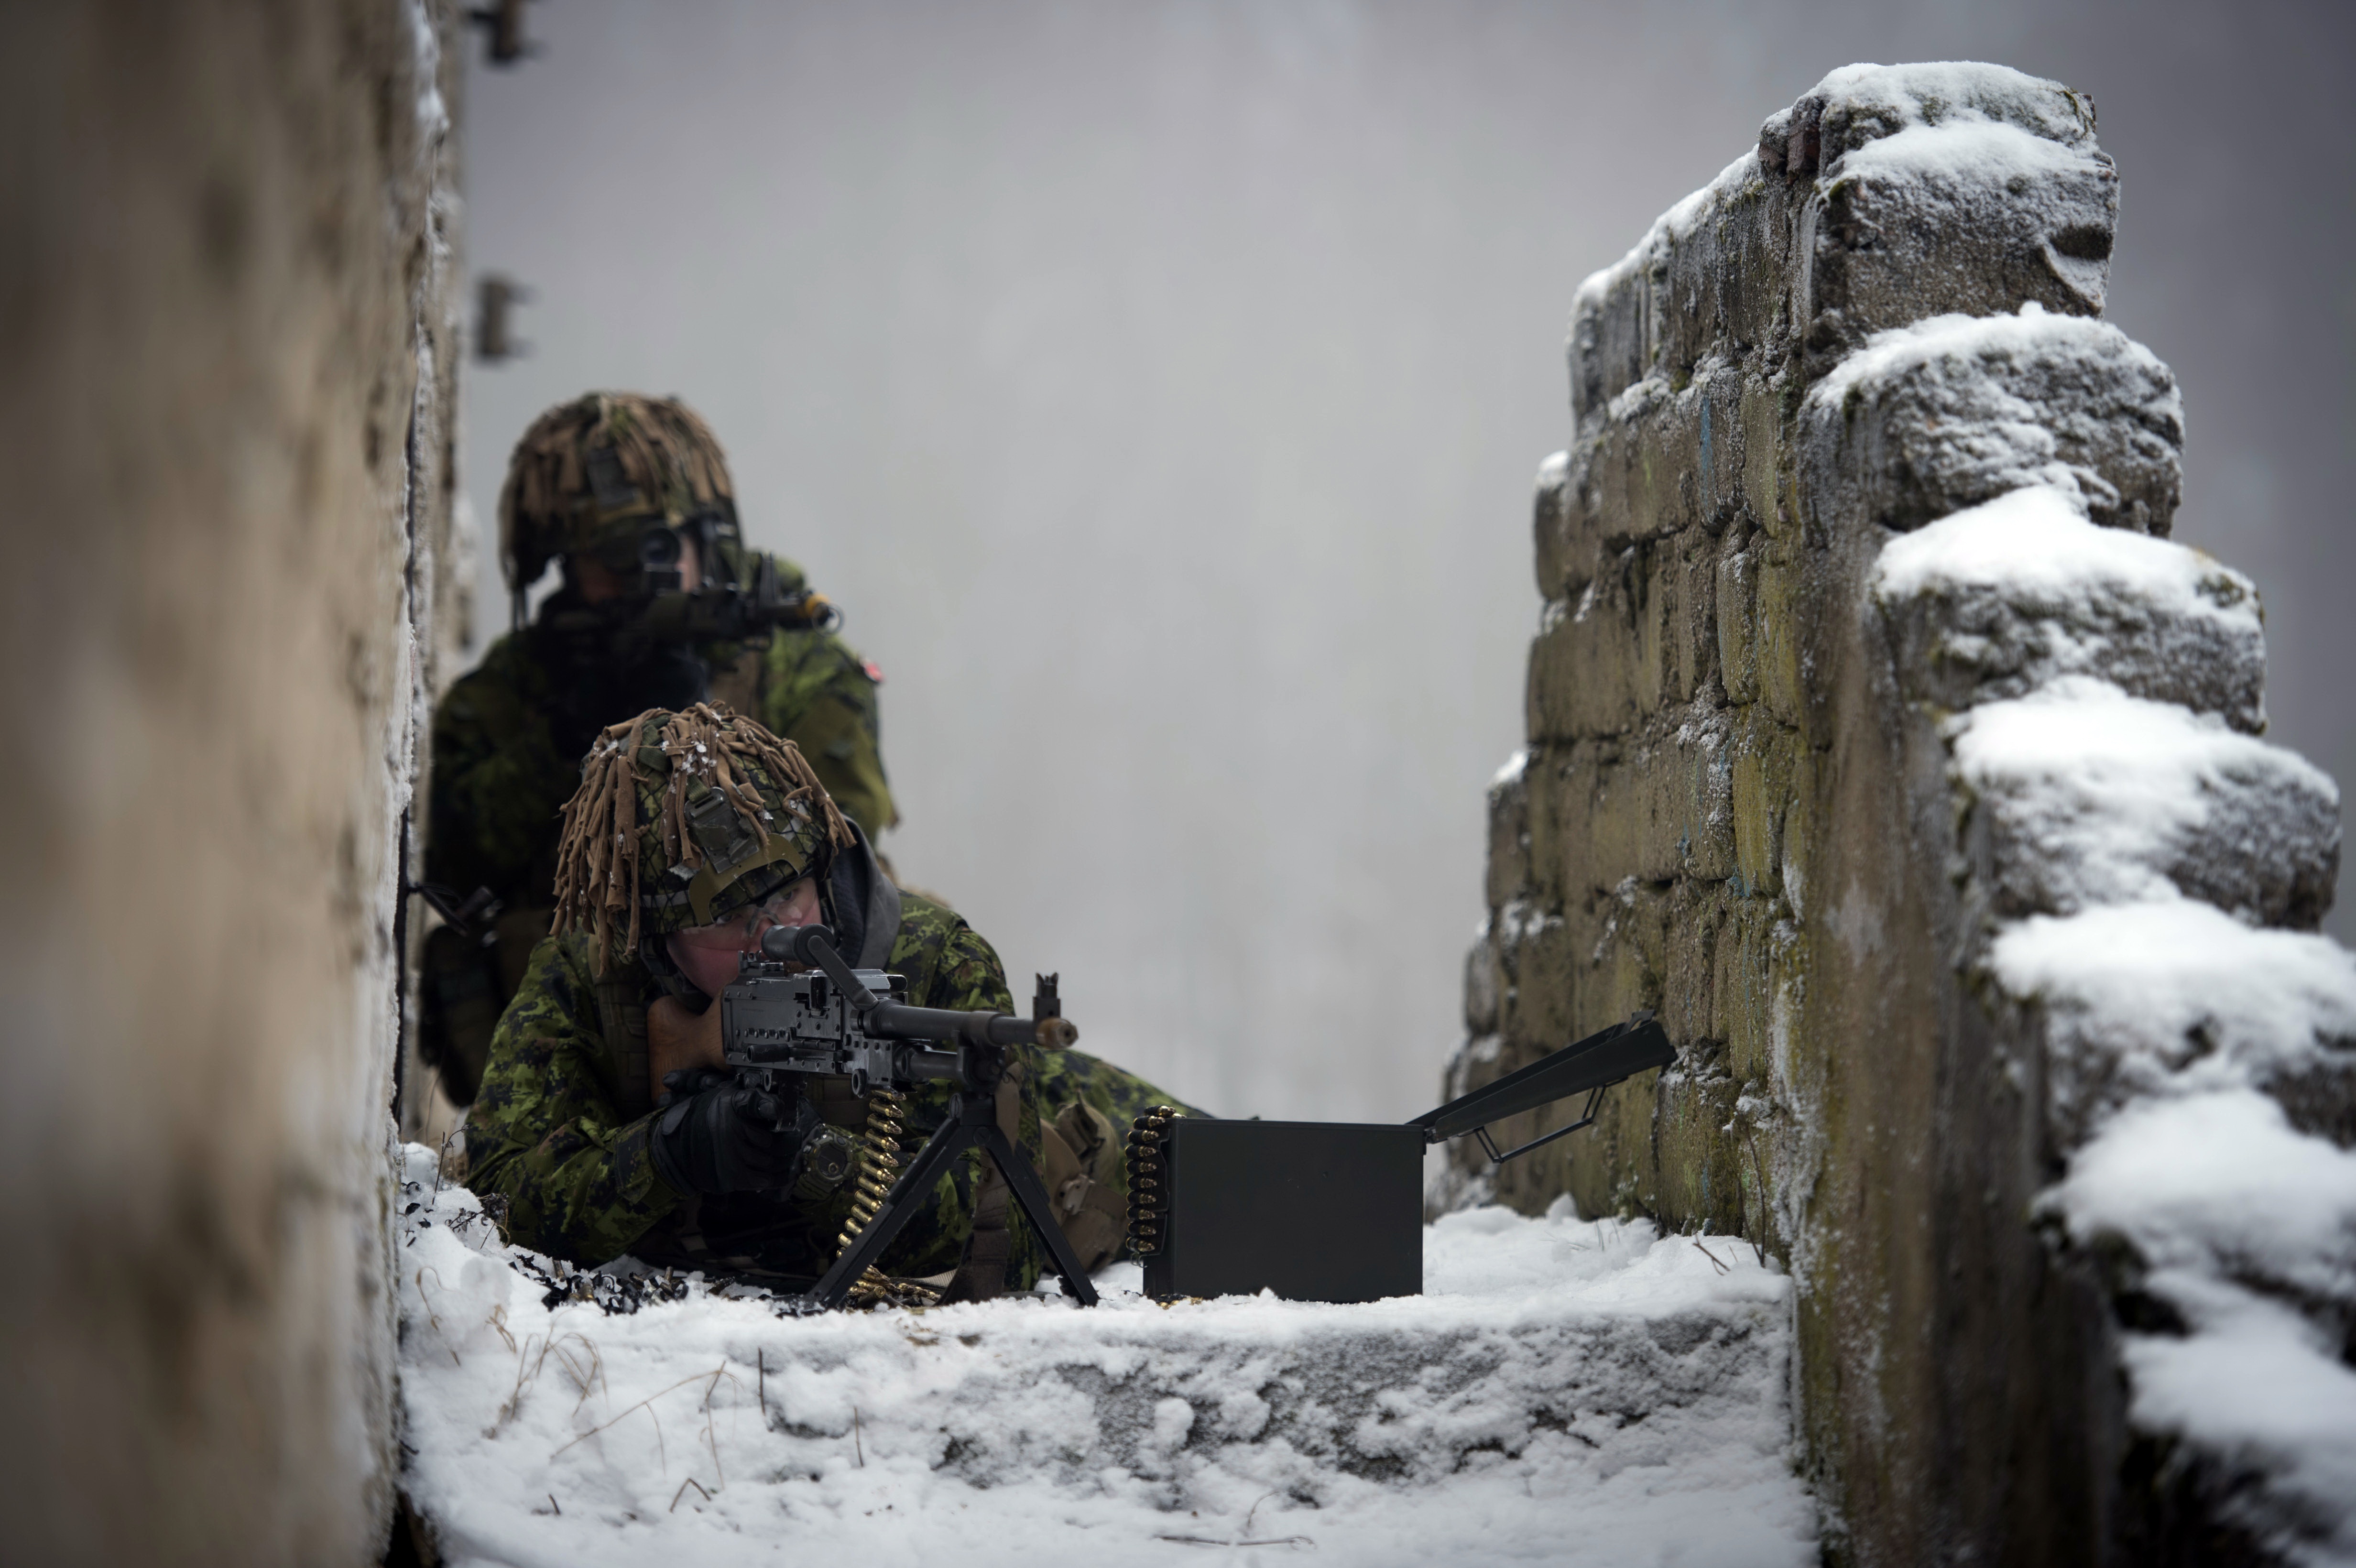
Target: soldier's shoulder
[(808, 657), (561, 980), (933, 936), (508, 672)]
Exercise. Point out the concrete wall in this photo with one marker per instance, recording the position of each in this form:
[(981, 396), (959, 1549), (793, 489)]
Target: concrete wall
[(226, 314), (1740, 804)]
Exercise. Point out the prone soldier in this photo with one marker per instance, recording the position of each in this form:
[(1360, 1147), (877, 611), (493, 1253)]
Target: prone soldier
[(661, 604), (601, 1119)]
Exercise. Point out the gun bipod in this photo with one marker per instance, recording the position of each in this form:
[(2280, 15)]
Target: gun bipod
[(972, 1123)]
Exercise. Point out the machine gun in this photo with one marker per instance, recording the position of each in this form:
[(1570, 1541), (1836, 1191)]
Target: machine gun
[(831, 1020), (722, 612)]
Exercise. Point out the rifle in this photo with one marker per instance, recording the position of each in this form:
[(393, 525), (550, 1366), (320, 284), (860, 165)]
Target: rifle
[(833, 1021)]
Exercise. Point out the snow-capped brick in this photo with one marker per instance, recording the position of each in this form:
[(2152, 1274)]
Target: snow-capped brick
[(2176, 998), (1564, 1392), (1947, 413), (1994, 601), (1857, 105), (2244, 1229), (1946, 187), (1887, 196), (2082, 796)]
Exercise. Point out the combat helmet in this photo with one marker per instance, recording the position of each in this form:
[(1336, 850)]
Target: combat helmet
[(682, 818), (612, 475)]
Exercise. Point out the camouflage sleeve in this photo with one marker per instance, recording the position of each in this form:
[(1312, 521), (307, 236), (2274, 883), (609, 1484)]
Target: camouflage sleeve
[(544, 1134), (498, 783), (950, 964), (819, 695)]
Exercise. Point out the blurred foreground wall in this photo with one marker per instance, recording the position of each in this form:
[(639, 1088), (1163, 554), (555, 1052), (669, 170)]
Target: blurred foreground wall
[(1880, 740), (227, 324)]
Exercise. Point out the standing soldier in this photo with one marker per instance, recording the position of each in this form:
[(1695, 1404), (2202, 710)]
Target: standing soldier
[(600, 1122), (661, 605)]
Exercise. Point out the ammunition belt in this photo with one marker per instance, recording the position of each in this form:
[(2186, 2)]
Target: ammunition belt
[(877, 1169), (1145, 1185)]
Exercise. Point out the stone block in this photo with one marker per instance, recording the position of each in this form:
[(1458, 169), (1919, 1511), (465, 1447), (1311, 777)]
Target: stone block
[(1656, 808), (1765, 755), (1780, 629), (1747, 963), (1954, 412), (1540, 959), (1484, 986), (1509, 833), (1997, 601), (2082, 796), (1637, 479), (1567, 551), (1736, 602), (1689, 985), (1589, 675), (1884, 197)]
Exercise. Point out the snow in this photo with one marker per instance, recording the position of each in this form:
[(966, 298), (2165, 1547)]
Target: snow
[(1955, 410), (2179, 1026), (1565, 1392), (1892, 99), (2175, 997), (2037, 544), (1963, 113), (1987, 152), (2094, 796), (2231, 1209), (2003, 598)]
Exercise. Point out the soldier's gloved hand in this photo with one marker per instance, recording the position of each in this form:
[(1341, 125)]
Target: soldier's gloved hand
[(725, 1138), (679, 1083)]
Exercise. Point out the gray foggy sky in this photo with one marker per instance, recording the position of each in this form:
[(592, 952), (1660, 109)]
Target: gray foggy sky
[(1159, 386)]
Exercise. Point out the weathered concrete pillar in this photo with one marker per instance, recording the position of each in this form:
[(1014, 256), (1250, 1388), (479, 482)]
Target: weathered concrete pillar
[(228, 304), (1867, 689)]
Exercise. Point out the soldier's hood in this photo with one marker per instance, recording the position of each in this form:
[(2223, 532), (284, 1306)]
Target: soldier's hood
[(864, 906)]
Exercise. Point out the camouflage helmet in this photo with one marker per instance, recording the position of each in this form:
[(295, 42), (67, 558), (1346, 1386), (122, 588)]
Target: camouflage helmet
[(682, 816), (598, 472)]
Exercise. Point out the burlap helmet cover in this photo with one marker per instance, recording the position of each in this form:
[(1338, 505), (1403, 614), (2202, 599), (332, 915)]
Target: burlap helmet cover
[(681, 817), (604, 462)]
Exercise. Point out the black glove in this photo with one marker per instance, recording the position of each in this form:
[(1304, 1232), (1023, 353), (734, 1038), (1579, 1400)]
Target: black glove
[(726, 1136)]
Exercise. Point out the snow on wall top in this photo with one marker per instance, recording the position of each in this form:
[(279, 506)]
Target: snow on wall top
[(2001, 598), (1966, 115), (1958, 409), (2137, 852), (1863, 104), (1891, 193)]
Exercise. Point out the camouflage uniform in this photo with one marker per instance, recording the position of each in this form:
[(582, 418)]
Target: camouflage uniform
[(590, 482), (549, 1134), (501, 774)]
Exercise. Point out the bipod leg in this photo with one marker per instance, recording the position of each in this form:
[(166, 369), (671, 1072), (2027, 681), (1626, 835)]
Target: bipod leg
[(1036, 1209), (951, 1139)]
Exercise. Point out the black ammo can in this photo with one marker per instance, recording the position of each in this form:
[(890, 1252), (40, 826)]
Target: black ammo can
[(1314, 1210), (1333, 1210)]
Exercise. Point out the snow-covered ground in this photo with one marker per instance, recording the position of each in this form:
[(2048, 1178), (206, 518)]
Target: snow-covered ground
[(1566, 1391)]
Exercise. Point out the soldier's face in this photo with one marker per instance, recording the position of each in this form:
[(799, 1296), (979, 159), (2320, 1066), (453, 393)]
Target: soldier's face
[(596, 582), (707, 954)]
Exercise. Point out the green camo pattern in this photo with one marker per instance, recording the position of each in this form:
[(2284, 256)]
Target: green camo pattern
[(500, 783), (581, 1184)]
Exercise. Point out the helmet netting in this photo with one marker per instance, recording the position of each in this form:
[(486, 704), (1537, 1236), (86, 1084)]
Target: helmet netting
[(627, 822), (547, 507)]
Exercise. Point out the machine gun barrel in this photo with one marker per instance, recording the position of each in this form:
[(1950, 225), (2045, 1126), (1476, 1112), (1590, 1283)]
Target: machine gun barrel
[(1588, 1066)]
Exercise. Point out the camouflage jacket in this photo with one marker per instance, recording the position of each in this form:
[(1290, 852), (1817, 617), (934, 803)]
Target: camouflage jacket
[(547, 1132), (500, 778)]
